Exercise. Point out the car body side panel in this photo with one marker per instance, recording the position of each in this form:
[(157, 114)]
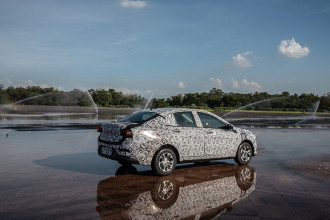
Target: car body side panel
[(161, 131), (221, 142), (188, 141)]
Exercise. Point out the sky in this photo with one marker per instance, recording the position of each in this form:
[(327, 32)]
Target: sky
[(167, 47)]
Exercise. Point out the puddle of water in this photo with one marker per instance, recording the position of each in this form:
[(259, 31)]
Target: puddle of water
[(61, 173), (291, 158)]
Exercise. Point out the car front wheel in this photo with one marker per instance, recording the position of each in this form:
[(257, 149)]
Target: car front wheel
[(244, 153), (164, 162)]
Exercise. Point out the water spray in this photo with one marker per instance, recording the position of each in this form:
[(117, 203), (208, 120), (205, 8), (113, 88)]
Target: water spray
[(95, 106), (254, 103), (148, 101), (314, 108), (23, 100)]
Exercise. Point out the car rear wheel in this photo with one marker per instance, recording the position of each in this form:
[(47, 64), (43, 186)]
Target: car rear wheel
[(244, 153), (164, 162)]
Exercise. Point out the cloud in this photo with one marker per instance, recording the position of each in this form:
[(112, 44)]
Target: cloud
[(255, 85), (241, 61), (217, 82), (23, 83), (250, 86), (245, 82), (235, 84), (127, 91), (132, 4), (246, 86), (43, 86), (181, 85), (292, 49), (8, 82), (177, 84)]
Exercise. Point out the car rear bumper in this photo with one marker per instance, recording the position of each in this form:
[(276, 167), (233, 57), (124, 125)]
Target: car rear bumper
[(111, 153)]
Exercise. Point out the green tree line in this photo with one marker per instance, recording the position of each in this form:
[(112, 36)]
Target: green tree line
[(112, 98), (35, 95), (218, 100), (214, 99)]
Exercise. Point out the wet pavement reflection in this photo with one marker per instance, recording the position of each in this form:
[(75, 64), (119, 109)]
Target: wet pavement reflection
[(57, 174), (191, 192)]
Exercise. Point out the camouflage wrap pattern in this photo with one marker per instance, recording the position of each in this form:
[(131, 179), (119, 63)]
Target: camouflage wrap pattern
[(191, 143)]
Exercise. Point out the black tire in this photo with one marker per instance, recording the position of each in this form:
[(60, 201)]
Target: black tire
[(164, 162), (244, 154)]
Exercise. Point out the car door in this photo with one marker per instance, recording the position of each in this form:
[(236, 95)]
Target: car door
[(186, 136), (218, 141)]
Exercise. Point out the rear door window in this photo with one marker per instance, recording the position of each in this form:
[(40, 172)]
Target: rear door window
[(185, 119)]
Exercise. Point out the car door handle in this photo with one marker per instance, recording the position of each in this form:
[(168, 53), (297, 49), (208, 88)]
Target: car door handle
[(176, 130), (210, 132)]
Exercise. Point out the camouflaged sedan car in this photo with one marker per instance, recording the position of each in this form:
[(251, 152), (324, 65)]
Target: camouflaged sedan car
[(164, 137)]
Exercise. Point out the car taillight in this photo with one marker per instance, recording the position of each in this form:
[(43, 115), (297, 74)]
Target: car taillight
[(99, 129), (128, 133)]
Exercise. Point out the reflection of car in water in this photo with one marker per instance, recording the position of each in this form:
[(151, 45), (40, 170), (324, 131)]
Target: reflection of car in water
[(190, 192)]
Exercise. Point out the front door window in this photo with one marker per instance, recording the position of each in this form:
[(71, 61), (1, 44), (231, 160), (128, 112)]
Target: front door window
[(209, 121)]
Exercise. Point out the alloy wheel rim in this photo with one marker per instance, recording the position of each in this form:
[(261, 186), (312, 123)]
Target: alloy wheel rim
[(166, 162), (245, 153), (245, 175), (165, 190)]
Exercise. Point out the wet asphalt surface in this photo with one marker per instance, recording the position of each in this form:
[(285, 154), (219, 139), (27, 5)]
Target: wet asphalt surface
[(57, 174)]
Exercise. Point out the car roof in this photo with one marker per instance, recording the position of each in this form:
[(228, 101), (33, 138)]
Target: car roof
[(164, 111), (168, 110)]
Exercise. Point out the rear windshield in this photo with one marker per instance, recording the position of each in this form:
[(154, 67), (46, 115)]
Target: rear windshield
[(138, 117)]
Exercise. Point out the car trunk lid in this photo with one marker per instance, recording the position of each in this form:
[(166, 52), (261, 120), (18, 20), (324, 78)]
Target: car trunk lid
[(113, 131)]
